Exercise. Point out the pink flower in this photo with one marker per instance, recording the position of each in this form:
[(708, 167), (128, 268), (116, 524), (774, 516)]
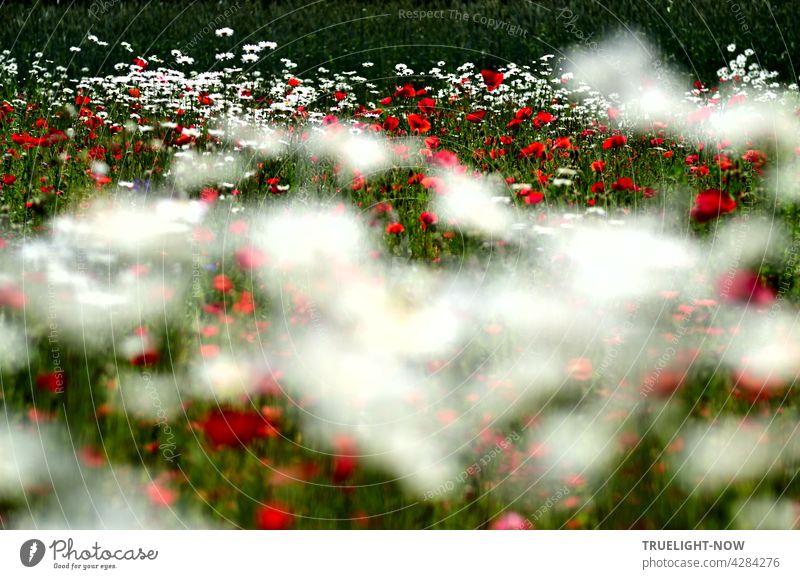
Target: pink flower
[(745, 287), (511, 521), (160, 495), (248, 257), (209, 195)]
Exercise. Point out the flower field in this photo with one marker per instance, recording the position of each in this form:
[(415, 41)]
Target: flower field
[(558, 293)]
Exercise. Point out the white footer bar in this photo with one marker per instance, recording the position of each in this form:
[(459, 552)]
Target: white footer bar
[(389, 554)]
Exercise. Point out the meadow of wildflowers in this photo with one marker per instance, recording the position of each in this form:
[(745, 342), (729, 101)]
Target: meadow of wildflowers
[(558, 293)]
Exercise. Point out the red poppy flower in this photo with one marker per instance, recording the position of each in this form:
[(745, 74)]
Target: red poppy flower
[(432, 142), (52, 382), (491, 79), (598, 187), (426, 105), (624, 184), (395, 228), (444, 158), (476, 116), (598, 166), (222, 283), (755, 157), (145, 359), (140, 62), (535, 149), (427, 219), (382, 207), (345, 462), (209, 195), (418, 123), (294, 82), (274, 517), (723, 162), (391, 123), (233, 428), (6, 109), (523, 114), (204, 99), (245, 305), (562, 143), (359, 182), (533, 197), (745, 287), (339, 96), (614, 142), (406, 91), (710, 204), (542, 118), (9, 179)]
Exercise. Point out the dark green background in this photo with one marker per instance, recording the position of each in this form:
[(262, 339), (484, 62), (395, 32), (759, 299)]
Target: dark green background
[(342, 34)]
